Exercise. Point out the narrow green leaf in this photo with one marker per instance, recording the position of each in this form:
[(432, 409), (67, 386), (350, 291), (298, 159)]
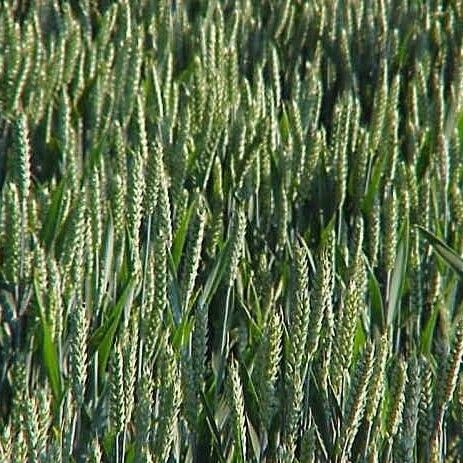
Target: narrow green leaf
[(107, 256), (216, 275), (180, 237), (174, 291), (428, 331), (103, 337), (376, 299), (49, 350), (54, 216), (213, 427), (377, 174)]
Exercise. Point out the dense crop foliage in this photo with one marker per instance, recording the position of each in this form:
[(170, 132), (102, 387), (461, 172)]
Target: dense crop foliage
[(229, 231)]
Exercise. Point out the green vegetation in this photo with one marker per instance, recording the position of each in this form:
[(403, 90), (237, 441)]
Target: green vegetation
[(230, 231)]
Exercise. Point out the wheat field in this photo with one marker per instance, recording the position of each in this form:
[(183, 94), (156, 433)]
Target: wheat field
[(230, 231)]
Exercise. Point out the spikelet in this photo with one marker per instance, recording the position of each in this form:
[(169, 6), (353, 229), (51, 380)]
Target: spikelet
[(397, 395), (294, 399), (455, 162), (153, 173), (58, 64), (35, 53), (235, 401), (12, 213), (426, 407), (96, 213), (356, 401), (323, 364), (379, 106), (299, 154), (236, 239), (32, 429), (163, 211), (20, 448), (78, 352), (341, 144), (358, 270), (73, 49), (193, 251), (151, 319), (377, 381), (267, 367), (64, 125), (142, 142), (407, 431), (276, 77), (321, 301), (199, 346), (191, 403), (129, 354), (416, 269), (12, 56), (390, 230), (95, 453), (232, 73), (78, 81), (169, 403), (300, 310), (345, 329), (6, 444), (134, 201), (177, 162), (193, 368), (160, 276), (451, 372), (22, 157), (116, 390), (392, 131), (44, 412), (295, 346), (133, 74), (82, 258), (143, 415), (283, 218), (118, 205), (265, 191)]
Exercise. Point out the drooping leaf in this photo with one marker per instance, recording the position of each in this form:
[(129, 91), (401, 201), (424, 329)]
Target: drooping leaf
[(444, 251)]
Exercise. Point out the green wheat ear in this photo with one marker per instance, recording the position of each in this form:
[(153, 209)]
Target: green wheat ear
[(267, 368), (170, 399), (13, 249), (397, 395), (117, 402), (321, 300), (78, 355), (345, 328), (237, 241), (408, 429), (356, 401), (236, 403)]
